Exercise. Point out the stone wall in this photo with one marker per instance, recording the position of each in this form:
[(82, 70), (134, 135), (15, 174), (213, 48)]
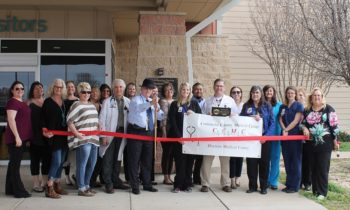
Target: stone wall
[(162, 45), (210, 60), (126, 58)]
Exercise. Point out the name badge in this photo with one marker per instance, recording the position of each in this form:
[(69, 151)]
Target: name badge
[(249, 110), (180, 109)]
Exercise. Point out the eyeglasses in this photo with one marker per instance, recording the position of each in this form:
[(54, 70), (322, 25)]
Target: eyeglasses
[(85, 92), (58, 87), (17, 89), (236, 92)]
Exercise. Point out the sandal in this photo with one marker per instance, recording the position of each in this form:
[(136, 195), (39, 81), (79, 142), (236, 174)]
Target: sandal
[(38, 189), (168, 182)]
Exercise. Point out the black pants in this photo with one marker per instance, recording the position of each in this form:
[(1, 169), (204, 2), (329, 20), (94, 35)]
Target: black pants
[(167, 157), (236, 164), (140, 157), (14, 185), (110, 164), (320, 162), (198, 159), (39, 155), (97, 171), (305, 164), (125, 163), (259, 166), (183, 165)]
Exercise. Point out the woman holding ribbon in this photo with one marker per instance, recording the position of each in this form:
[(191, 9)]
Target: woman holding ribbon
[(321, 124), (54, 114), (290, 116), (183, 162), (259, 109), (83, 116), (275, 146)]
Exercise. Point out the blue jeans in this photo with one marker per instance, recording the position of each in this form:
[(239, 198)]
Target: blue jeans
[(57, 160), (86, 156)]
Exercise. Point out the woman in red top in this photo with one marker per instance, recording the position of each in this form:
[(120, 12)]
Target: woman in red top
[(18, 114)]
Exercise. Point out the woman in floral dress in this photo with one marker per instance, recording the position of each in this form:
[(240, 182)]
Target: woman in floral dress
[(321, 124)]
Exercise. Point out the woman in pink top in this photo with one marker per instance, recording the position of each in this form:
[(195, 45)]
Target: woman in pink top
[(18, 114)]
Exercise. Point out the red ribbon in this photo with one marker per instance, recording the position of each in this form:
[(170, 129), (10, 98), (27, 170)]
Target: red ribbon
[(151, 138)]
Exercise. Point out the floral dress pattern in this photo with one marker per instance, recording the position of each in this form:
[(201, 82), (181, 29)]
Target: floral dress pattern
[(323, 126)]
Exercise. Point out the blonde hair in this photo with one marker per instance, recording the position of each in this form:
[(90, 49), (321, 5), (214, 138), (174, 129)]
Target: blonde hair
[(83, 86), (50, 91), (309, 98), (188, 99)]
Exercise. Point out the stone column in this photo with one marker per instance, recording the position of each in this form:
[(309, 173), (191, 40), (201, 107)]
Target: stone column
[(161, 45)]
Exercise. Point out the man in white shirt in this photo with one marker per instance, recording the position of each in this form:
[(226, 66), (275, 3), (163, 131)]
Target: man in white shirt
[(222, 101)]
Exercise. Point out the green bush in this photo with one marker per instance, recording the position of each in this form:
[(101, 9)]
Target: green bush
[(343, 137)]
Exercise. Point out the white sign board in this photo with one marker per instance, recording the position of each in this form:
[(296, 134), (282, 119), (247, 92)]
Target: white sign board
[(199, 125)]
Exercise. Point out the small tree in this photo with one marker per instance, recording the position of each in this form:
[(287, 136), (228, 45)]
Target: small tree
[(277, 33)]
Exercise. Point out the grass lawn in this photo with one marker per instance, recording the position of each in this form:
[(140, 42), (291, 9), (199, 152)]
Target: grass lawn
[(338, 198), (344, 147)]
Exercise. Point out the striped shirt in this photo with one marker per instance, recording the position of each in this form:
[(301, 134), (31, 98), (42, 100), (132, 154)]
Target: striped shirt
[(84, 116)]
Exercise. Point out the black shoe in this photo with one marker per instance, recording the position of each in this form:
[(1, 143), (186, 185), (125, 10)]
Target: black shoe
[(95, 185), (251, 191), (154, 183), (135, 191), (273, 187), (121, 186), (23, 195), (109, 188), (263, 192), (196, 182), (291, 191), (284, 189), (227, 189), (204, 189), (150, 189)]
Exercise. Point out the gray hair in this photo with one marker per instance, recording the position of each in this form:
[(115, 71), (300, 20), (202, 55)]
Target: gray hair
[(119, 82), (64, 89)]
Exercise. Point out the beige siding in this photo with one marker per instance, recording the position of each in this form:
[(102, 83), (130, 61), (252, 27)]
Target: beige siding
[(247, 70)]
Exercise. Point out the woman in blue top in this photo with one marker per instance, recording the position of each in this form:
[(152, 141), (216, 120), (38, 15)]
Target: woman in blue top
[(258, 108), (290, 115), (275, 146)]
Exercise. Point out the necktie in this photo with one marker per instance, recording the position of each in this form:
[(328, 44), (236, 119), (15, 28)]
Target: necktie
[(150, 119)]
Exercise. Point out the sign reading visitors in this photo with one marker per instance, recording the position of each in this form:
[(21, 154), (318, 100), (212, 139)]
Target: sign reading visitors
[(199, 125), (14, 24)]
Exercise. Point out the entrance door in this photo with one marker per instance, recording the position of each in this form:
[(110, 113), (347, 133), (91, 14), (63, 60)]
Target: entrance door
[(7, 76)]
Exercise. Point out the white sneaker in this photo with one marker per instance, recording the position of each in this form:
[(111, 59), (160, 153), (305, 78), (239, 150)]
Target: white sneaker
[(320, 197)]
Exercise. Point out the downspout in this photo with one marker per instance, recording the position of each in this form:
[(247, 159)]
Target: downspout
[(193, 31)]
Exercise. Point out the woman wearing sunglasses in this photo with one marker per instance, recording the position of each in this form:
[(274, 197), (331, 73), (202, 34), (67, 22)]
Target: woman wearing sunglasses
[(18, 113), (83, 116)]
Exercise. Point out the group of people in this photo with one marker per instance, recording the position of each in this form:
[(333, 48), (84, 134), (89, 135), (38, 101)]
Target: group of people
[(83, 108)]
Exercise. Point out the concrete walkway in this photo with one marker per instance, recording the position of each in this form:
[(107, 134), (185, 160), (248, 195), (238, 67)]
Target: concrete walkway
[(215, 199)]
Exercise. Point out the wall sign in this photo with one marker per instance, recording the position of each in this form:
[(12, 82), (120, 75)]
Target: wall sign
[(14, 24)]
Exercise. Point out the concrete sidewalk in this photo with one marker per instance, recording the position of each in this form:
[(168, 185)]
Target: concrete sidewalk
[(215, 199)]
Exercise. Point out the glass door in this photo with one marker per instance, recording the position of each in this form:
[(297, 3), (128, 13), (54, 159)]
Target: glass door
[(7, 76)]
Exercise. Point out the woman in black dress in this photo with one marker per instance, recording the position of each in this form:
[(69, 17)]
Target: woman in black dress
[(39, 149)]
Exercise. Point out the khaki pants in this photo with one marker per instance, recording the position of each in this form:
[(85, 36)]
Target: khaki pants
[(206, 170)]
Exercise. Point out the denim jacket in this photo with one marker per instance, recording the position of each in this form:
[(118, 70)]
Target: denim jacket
[(265, 112)]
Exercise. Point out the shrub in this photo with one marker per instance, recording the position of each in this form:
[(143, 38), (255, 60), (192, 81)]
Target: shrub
[(343, 136)]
